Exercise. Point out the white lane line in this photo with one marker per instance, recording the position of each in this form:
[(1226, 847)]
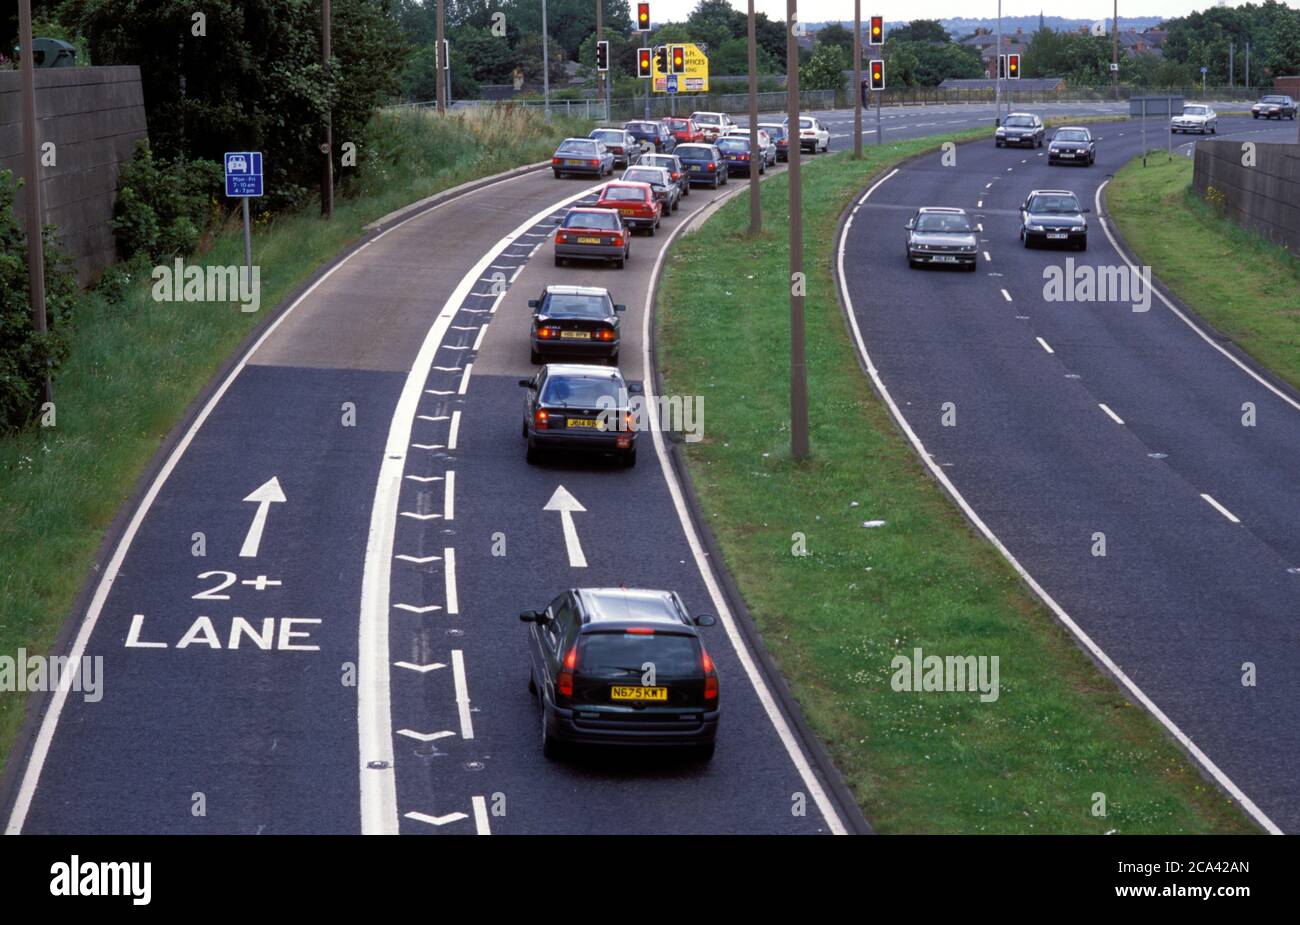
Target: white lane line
[(449, 579), (1221, 509), (1006, 295), (374, 706), (1044, 344), (705, 567), (1113, 416), (455, 430), (481, 823), (464, 379), (1105, 226), (1066, 620), (449, 498), (987, 257), (478, 341), (988, 185), (462, 694), (980, 205)]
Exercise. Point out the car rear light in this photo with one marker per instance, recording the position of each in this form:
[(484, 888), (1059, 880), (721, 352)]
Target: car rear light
[(712, 166), (555, 160), (618, 240), (564, 680), (710, 674), (561, 236), (629, 421), (605, 334), (640, 631), (545, 333), (593, 163), (541, 419)]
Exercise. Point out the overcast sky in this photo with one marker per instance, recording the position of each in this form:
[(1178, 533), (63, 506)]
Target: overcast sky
[(822, 10)]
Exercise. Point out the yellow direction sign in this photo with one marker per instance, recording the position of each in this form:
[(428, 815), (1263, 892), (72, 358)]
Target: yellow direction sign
[(695, 79)]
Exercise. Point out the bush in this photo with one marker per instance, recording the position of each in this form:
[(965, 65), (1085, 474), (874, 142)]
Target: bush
[(164, 207), (26, 358)]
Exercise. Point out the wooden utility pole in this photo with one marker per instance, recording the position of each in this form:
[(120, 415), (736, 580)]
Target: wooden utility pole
[(32, 183), (327, 147), (798, 363), (755, 206), (441, 94), (857, 79)]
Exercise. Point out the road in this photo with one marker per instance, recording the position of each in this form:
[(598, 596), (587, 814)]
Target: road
[(1075, 419), (345, 655)]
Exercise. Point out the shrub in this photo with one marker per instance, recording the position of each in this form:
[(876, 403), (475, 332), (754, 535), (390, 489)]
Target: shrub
[(164, 207)]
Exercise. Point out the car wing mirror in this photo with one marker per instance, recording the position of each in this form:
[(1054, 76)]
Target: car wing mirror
[(530, 616), (910, 224), (635, 388), (620, 308), (527, 383), (997, 121), (705, 619), (533, 303), (558, 220), (1087, 208)]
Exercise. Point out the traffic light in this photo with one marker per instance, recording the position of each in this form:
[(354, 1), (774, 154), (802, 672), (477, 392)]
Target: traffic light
[(877, 34), (602, 56), (661, 58), (643, 17), (877, 74), (643, 62), (678, 57), (1002, 66), (1013, 67), (446, 54)]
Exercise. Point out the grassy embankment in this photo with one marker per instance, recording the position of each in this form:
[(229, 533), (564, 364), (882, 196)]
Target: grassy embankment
[(834, 619), (135, 366)]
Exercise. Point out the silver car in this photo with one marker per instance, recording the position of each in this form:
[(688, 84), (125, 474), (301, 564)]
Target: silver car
[(941, 236), (671, 163), (661, 181), (1196, 117)]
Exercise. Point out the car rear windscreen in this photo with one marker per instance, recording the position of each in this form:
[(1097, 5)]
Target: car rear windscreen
[(698, 152), (584, 148), (733, 144), (629, 657), (599, 219), (583, 392), (644, 176), (578, 306), (677, 125), (609, 138), (623, 194)]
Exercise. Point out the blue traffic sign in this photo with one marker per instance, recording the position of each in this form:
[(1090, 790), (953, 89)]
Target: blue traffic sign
[(243, 173), (671, 85), (1204, 69)]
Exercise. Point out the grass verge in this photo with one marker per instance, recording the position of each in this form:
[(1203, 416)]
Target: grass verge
[(1060, 733), (135, 365), (1233, 278)]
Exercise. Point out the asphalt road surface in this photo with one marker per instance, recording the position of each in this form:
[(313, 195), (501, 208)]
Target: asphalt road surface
[(1088, 417), (346, 655)]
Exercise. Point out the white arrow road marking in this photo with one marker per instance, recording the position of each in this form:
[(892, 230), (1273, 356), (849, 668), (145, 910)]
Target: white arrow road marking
[(566, 504), (448, 369), (462, 694), (432, 417), (428, 446), (426, 608), (422, 669), (436, 820), (269, 493), (481, 816), (425, 736), (416, 516), (449, 577), (438, 391), (418, 560)]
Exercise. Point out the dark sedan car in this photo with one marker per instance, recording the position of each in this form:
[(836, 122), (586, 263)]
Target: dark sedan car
[(592, 234), (622, 666), (654, 134), (575, 321), (1053, 216), (1072, 145), (621, 144), (1020, 128), (735, 151), (703, 163), (572, 406), (673, 165), (1274, 107), (582, 156), (777, 131)]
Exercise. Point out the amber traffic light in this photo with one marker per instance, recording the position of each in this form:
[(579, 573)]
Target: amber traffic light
[(643, 17), (678, 59), (877, 74), (877, 34), (643, 62), (1013, 67)]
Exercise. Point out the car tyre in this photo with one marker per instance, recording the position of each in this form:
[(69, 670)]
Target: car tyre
[(559, 261), (533, 455), (536, 359), (532, 684), (551, 746), (703, 752), (1083, 244), (618, 262), (559, 175), (627, 459), (1214, 130)]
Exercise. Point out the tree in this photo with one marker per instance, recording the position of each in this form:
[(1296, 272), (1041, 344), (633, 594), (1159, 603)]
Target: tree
[(825, 69), (919, 30), (715, 21), (769, 35), (835, 34), (529, 53), (733, 58)]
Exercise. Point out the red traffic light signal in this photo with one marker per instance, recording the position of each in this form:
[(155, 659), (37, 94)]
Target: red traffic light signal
[(877, 34), (643, 62), (1013, 67), (602, 56), (678, 59), (877, 72), (643, 17)]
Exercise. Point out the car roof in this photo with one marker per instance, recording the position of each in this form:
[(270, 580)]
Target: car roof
[(1029, 114), (588, 140), (949, 210), (628, 184), (585, 209), (1072, 128), (578, 290), (589, 370), (1053, 192), (623, 606)]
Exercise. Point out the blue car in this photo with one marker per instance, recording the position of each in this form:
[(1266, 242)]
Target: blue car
[(582, 156), (654, 134), (704, 164)]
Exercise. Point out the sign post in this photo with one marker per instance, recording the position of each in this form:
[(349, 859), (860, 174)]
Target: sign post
[(244, 179)]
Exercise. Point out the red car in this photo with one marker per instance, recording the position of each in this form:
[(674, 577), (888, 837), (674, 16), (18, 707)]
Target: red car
[(684, 130), (634, 201)]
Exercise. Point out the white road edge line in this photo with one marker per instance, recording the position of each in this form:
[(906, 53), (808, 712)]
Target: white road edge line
[(45, 735), (1220, 508), (462, 694), (374, 708), (1105, 226), (1077, 631), (1006, 295), (481, 822), (702, 563), (1113, 416)]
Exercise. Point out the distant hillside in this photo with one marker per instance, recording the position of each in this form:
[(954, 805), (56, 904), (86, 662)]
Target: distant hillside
[(963, 26)]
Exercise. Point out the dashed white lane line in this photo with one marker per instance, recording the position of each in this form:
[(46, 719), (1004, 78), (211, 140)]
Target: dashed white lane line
[(464, 379), (462, 694), (1220, 508), (449, 579), (1045, 345), (481, 823), (987, 257), (1113, 416), (988, 185), (1006, 295), (980, 205), (449, 498), (478, 340), (454, 431)]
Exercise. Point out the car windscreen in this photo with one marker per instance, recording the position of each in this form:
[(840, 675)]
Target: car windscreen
[(1054, 204), (1066, 135), (942, 223), (733, 144), (1194, 110), (602, 219), (648, 127), (677, 125), (609, 138), (1019, 122), (623, 194), (706, 119), (776, 131), (696, 152), (652, 177), (1274, 99), (584, 148), (583, 392), (568, 305), (628, 656)]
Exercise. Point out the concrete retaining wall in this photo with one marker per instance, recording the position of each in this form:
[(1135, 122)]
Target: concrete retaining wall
[(94, 116), (1264, 198)]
